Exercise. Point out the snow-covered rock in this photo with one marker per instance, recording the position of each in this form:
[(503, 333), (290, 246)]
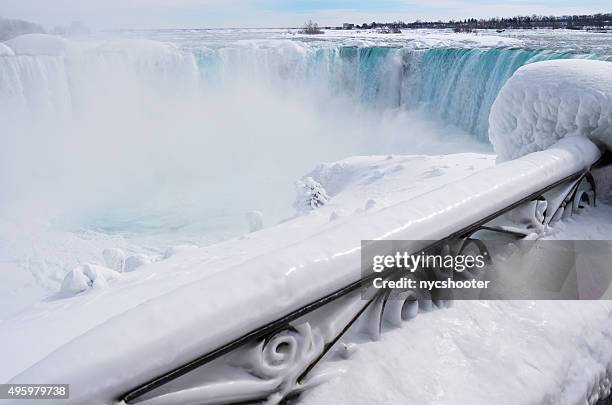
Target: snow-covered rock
[(135, 261), (546, 101), (75, 282), (85, 277), (114, 259)]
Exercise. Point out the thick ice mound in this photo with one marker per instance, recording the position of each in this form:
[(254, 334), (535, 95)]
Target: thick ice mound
[(41, 44), (5, 50), (546, 101)]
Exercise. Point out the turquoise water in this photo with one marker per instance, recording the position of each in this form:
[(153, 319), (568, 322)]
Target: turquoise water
[(455, 77), (457, 85), (460, 85)]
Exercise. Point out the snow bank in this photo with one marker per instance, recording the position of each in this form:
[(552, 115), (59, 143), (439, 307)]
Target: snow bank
[(546, 101), (41, 44), (545, 352), (85, 277)]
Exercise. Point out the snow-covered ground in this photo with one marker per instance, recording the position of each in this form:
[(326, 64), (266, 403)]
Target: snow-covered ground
[(483, 352), (561, 40), (593, 224), (420, 39)]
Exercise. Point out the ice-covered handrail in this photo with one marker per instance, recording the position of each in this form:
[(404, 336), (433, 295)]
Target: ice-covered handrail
[(567, 188), (301, 285)]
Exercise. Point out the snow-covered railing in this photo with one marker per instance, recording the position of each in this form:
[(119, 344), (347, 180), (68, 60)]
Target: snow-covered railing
[(273, 361)]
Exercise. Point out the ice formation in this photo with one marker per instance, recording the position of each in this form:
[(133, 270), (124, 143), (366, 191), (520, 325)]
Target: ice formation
[(310, 195), (546, 101), (5, 50)]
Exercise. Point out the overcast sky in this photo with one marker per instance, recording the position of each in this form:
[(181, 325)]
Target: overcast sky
[(109, 14)]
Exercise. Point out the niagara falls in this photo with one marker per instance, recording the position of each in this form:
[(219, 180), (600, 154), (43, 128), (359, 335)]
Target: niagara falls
[(190, 207)]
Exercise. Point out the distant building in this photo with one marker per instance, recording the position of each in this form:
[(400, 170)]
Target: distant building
[(347, 26)]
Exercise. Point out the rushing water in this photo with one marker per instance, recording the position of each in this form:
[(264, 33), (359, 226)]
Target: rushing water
[(162, 137)]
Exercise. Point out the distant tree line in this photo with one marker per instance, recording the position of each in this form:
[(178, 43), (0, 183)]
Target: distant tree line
[(578, 22)]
